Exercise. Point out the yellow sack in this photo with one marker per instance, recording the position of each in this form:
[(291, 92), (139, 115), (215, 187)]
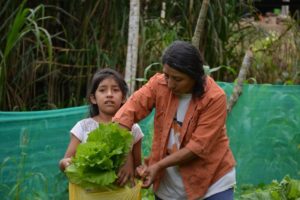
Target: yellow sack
[(78, 193)]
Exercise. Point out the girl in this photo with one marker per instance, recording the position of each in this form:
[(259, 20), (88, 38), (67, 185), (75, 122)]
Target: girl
[(107, 94)]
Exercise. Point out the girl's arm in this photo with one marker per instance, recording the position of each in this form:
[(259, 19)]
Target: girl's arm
[(134, 159), (126, 172), (137, 154), (70, 152)]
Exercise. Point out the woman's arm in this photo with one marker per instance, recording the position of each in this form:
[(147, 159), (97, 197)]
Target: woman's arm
[(139, 105), (70, 152)]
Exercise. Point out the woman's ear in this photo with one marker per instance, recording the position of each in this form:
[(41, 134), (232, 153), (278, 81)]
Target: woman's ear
[(93, 99)]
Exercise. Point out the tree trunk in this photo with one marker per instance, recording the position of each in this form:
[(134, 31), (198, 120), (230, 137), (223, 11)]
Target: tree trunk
[(163, 12), (132, 48), (199, 30), (237, 90)]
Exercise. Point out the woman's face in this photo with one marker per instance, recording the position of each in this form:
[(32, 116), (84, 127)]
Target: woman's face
[(108, 96), (180, 83)]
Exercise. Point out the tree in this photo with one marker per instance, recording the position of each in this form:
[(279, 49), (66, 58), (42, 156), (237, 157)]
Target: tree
[(199, 30), (132, 48)]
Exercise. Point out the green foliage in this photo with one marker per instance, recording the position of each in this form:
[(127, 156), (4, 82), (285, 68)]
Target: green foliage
[(224, 34), (276, 56), (25, 27), (287, 189), (97, 161), (209, 70), (147, 71), (147, 194), (49, 52)]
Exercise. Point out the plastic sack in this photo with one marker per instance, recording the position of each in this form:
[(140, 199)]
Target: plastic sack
[(78, 193)]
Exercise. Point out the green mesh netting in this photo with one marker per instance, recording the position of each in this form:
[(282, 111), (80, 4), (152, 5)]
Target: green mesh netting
[(263, 127), (264, 132)]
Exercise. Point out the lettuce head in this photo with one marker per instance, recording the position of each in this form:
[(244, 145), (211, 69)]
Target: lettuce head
[(97, 161)]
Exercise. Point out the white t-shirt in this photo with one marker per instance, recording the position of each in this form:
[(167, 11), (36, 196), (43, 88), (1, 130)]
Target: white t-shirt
[(85, 126), (171, 186)]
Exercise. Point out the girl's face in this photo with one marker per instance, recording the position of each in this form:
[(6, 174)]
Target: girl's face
[(108, 96), (180, 83)]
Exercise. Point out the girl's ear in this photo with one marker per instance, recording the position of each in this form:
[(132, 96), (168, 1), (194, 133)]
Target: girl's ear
[(93, 99)]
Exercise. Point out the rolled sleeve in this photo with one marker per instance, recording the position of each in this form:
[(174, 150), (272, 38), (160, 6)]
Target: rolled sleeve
[(138, 106)]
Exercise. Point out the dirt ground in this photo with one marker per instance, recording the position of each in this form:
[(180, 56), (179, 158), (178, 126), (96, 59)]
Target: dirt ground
[(270, 22), (273, 23)]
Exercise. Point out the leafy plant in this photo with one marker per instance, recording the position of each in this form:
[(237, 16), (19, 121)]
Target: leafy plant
[(147, 71), (276, 57), (287, 189), (209, 70), (49, 52), (97, 161), (25, 28)]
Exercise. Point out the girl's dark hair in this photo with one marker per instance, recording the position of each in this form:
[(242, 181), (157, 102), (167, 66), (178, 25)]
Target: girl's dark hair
[(98, 77), (187, 59)]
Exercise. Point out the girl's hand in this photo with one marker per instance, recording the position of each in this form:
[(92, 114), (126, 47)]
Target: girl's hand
[(126, 172), (64, 163)]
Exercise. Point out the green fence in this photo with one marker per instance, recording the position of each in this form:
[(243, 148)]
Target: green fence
[(264, 131)]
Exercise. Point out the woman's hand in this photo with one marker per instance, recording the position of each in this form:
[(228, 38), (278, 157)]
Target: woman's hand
[(148, 174), (140, 170), (64, 163), (182, 156), (126, 172)]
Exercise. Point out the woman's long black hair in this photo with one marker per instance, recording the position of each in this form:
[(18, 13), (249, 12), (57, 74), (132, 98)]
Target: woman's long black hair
[(187, 59)]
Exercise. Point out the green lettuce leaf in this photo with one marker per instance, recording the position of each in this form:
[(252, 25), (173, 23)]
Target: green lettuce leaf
[(97, 161)]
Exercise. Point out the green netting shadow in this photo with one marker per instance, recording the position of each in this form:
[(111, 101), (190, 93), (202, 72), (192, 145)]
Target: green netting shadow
[(263, 127)]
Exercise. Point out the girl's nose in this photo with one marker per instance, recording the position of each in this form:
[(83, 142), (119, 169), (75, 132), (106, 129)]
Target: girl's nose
[(109, 92)]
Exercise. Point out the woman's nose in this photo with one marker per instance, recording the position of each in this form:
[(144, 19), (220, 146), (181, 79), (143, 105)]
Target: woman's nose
[(171, 84)]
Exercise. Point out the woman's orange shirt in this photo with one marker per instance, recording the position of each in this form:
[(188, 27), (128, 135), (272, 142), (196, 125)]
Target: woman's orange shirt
[(204, 131)]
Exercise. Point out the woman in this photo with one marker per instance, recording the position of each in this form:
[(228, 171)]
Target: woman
[(190, 156)]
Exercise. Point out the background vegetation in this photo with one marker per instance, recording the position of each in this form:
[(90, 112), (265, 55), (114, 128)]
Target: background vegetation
[(49, 50)]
